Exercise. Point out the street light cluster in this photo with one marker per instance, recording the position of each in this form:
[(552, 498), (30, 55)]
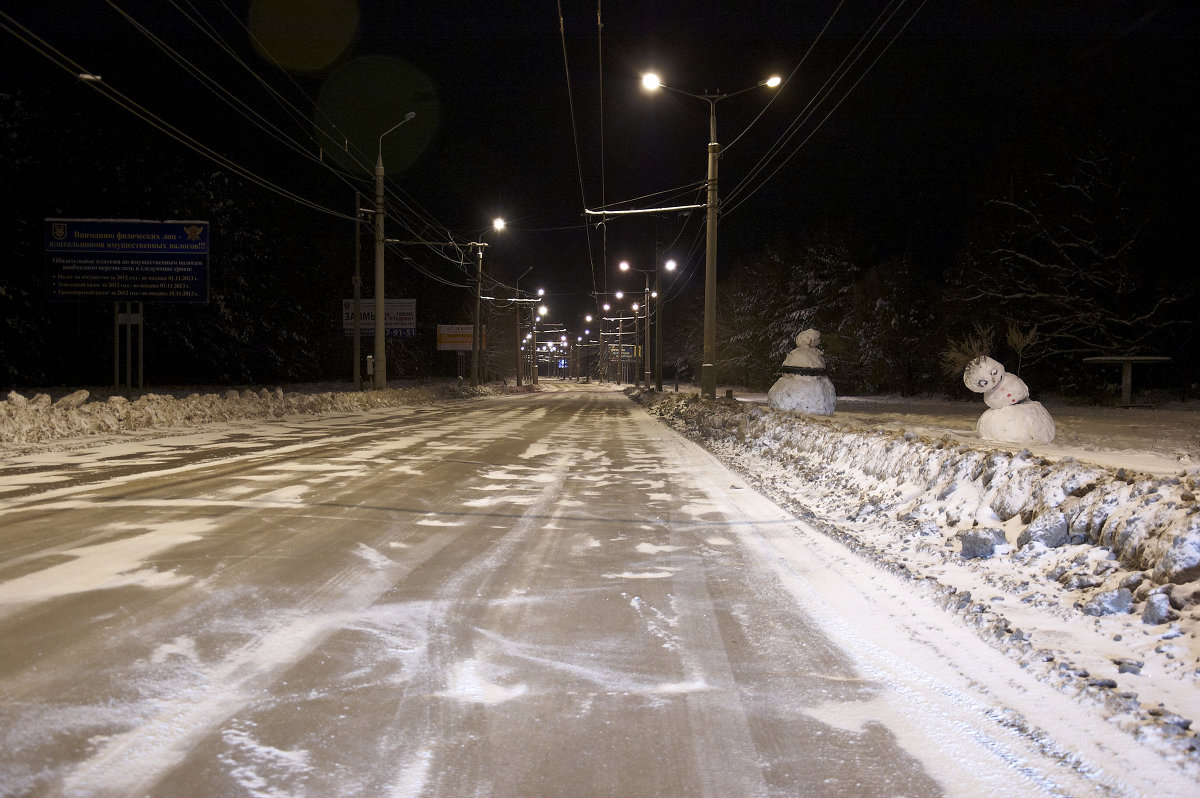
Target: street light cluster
[(651, 82)]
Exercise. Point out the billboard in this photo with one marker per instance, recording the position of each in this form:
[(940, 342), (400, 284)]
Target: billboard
[(459, 337), (399, 317), (127, 260)]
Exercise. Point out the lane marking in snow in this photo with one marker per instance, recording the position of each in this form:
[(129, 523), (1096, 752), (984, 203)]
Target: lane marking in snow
[(107, 565), (662, 573)]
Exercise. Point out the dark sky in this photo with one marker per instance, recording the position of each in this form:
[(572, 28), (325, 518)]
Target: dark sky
[(960, 96)]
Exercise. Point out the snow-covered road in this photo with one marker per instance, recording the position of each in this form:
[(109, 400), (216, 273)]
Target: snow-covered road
[(525, 595)]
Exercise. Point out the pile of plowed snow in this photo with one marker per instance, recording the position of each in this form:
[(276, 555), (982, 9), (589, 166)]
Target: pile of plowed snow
[(38, 419), (1089, 575), (1151, 524)]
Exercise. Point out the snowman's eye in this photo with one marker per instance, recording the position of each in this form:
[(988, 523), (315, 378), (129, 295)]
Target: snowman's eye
[(994, 372), (983, 383)]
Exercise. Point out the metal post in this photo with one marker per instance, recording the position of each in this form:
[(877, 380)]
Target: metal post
[(141, 317), (475, 330), (128, 346), (646, 350), (517, 324), (116, 345), (635, 363), (620, 346), (357, 293), (380, 352), (658, 328), (708, 368)]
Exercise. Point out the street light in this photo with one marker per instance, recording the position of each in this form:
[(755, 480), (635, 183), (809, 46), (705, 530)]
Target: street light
[(380, 351), (651, 294), (708, 369), (669, 266), (516, 310), (542, 313), (476, 337)]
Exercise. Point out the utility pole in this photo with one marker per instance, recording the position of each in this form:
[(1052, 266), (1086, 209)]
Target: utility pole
[(708, 368), (658, 303), (475, 342), (517, 322), (380, 351), (646, 350), (620, 347), (357, 291)]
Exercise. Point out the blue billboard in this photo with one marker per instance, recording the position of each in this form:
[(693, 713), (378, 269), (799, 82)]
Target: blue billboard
[(127, 260)]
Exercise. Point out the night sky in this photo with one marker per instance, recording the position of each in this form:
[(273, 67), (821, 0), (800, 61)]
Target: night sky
[(945, 105)]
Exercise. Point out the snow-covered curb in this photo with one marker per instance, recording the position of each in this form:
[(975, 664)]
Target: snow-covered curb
[(1065, 542), (38, 419), (1149, 524)]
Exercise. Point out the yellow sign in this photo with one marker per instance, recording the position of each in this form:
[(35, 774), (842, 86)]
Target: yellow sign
[(459, 337)]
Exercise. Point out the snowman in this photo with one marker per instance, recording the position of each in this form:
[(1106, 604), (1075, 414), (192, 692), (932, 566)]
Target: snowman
[(1012, 416), (803, 386)]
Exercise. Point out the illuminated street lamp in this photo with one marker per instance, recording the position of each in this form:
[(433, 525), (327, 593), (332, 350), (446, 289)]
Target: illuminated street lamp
[(517, 315), (476, 336), (658, 371), (651, 294), (708, 369)]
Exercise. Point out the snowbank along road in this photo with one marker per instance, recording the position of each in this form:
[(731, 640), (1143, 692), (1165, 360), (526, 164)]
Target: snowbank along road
[(511, 596)]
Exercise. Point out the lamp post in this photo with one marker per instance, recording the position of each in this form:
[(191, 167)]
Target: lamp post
[(517, 319), (636, 380), (542, 312), (476, 334), (708, 368), (669, 266), (380, 351), (620, 333), (357, 303), (475, 318), (648, 295), (582, 365)]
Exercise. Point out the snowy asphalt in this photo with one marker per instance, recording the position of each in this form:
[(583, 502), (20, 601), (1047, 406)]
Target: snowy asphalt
[(523, 595)]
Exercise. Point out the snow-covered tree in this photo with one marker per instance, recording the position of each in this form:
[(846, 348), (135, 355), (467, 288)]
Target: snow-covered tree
[(774, 295), (1064, 254)]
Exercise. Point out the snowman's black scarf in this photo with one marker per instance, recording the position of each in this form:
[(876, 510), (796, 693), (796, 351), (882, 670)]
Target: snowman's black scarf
[(803, 370)]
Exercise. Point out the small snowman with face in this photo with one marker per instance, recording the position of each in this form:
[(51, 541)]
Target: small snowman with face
[(1013, 417), (999, 388)]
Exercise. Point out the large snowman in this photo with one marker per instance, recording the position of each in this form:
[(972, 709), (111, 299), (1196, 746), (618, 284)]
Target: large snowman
[(804, 386), (1012, 416)]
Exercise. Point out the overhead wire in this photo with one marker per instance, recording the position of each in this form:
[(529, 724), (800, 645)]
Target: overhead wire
[(562, 34), (216, 88), (803, 59), (822, 96), (603, 164), (361, 159), (416, 220), (67, 64)]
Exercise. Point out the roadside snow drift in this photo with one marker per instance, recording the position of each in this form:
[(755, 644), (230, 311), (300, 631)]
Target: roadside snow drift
[(37, 420), (1149, 524), (1100, 566)]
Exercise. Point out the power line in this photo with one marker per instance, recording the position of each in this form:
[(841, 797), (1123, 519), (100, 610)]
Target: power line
[(64, 62), (575, 137), (822, 96)]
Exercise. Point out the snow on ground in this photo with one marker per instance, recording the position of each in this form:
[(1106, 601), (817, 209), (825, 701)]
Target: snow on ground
[(1080, 558), (26, 422)]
